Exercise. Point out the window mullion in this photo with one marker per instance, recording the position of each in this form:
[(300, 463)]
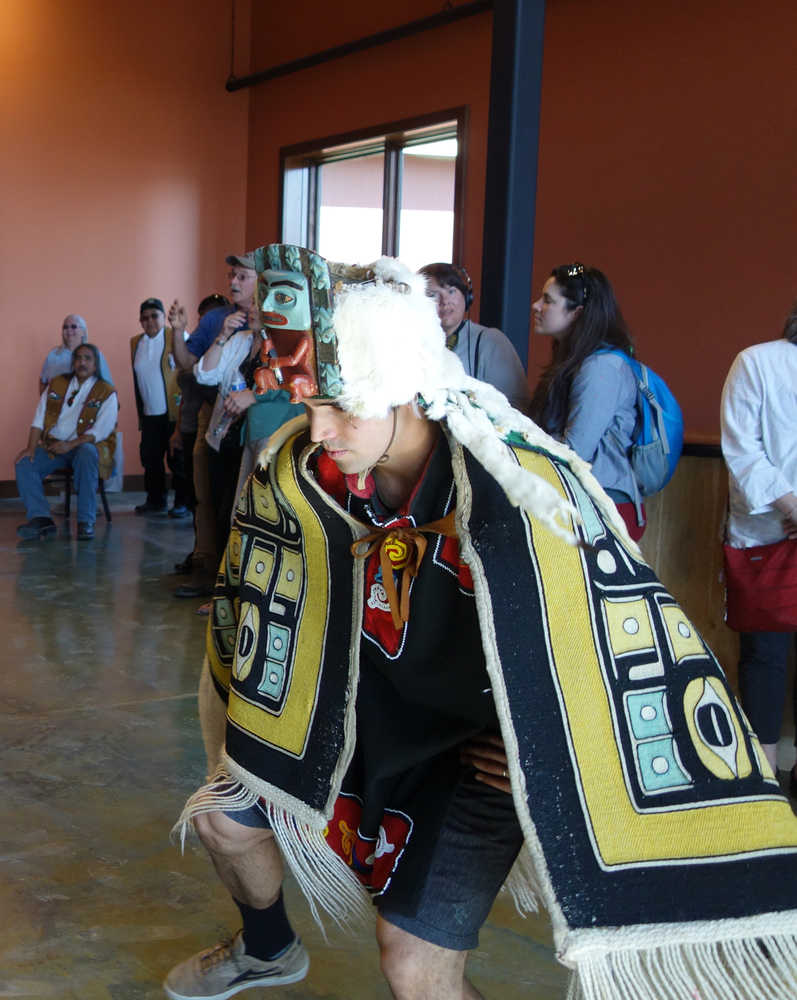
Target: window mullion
[(391, 199), (313, 205)]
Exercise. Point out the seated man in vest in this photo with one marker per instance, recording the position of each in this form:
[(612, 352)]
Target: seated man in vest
[(74, 427)]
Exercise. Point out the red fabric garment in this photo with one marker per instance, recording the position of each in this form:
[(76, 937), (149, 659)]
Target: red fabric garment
[(628, 514)]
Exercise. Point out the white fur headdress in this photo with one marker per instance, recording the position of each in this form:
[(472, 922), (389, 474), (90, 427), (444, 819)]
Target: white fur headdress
[(390, 350), (391, 347)]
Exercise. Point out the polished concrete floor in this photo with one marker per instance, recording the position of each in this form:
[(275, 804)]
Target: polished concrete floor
[(99, 747)]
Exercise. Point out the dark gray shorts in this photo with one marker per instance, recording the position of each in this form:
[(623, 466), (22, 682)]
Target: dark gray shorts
[(474, 853)]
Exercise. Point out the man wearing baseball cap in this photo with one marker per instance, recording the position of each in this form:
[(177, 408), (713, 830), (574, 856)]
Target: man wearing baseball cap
[(230, 319), (157, 401)]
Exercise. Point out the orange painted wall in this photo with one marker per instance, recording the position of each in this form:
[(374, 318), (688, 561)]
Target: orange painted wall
[(667, 159), (123, 176), (434, 71), (667, 155)]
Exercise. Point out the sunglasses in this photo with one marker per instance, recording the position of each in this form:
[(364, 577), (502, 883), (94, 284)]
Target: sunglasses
[(576, 270)]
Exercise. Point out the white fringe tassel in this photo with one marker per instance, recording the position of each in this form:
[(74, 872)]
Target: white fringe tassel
[(325, 879), (221, 794), (522, 884), (762, 968)]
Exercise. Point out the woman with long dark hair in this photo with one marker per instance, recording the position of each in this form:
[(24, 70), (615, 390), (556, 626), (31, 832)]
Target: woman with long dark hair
[(586, 396)]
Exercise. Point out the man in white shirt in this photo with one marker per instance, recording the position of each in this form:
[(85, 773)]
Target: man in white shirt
[(157, 402), (74, 427)]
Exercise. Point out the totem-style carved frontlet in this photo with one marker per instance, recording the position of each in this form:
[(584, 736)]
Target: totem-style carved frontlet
[(296, 297)]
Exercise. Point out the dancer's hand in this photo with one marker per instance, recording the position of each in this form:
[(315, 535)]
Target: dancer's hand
[(487, 755)]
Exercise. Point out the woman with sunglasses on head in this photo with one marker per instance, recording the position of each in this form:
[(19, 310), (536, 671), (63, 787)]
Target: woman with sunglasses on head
[(586, 396)]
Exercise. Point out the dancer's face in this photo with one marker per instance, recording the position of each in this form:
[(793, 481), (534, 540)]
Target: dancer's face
[(354, 445)]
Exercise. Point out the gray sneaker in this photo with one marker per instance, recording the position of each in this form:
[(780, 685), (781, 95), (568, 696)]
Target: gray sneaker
[(226, 969)]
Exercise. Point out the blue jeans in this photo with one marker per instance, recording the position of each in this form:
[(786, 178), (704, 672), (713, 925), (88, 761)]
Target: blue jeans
[(31, 473)]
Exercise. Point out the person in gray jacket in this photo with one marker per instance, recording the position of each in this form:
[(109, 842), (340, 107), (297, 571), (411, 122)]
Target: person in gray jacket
[(485, 352), (587, 395)]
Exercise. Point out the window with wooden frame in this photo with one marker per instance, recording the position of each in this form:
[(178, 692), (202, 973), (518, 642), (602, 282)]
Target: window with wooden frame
[(393, 189)]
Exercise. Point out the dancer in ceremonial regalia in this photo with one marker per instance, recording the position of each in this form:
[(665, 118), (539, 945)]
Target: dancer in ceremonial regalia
[(437, 664)]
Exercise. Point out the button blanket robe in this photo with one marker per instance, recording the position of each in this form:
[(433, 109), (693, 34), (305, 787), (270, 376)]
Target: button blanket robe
[(655, 833)]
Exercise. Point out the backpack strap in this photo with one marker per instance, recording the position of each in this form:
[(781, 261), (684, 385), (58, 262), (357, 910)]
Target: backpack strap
[(476, 354), (636, 500), (655, 406)]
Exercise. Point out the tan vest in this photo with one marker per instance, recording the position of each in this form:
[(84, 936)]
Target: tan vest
[(98, 393), (169, 374)]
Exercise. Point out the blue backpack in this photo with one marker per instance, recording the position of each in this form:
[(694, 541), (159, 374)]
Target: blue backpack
[(658, 437)]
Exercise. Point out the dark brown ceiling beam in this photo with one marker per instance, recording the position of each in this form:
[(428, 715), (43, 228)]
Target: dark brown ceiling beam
[(447, 16)]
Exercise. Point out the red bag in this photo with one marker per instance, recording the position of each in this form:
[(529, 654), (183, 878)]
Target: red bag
[(761, 587)]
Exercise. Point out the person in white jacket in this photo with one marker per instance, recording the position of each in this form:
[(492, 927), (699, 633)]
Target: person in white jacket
[(759, 445)]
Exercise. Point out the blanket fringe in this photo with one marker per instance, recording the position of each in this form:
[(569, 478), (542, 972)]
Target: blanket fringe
[(221, 794), (522, 884), (761, 968), (325, 879)]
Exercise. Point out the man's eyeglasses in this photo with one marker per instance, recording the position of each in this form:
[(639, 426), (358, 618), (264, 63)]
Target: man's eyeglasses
[(443, 292)]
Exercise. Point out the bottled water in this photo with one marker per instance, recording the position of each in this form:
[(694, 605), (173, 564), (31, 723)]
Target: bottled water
[(217, 432)]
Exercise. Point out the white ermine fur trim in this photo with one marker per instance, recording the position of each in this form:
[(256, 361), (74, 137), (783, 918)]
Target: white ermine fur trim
[(480, 418), (390, 343), (473, 429)]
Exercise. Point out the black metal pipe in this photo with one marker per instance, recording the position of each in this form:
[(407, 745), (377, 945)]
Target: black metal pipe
[(447, 16), (511, 181)]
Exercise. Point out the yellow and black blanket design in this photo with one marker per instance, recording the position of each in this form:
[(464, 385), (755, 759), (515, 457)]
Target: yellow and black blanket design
[(282, 639), (651, 817)]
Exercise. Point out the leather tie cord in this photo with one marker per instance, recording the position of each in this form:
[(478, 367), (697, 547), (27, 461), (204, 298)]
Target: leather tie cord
[(401, 548)]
